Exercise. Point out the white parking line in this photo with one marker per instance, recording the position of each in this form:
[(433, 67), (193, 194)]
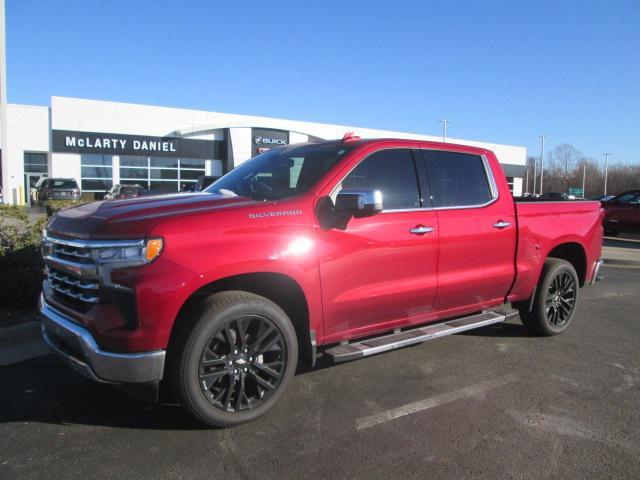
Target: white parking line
[(427, 403)]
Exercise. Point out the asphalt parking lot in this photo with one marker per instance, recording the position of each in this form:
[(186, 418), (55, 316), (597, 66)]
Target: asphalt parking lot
[(494, 403)]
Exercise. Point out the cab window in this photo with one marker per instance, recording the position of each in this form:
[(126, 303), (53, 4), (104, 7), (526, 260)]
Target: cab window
[(457, 179), (391, 171)]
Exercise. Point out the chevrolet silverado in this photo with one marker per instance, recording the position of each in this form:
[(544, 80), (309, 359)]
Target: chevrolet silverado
[(342, 248)]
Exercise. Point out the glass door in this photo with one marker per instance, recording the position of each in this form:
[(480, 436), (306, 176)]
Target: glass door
[(30, 182)]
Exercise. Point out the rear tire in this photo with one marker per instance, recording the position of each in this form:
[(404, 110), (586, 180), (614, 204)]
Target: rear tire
[(231, 358), (555, 299)]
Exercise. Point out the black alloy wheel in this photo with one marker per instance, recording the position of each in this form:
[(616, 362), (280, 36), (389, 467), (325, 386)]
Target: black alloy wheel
[(243, 363), (554, 303), (560, 298), (231, 357)]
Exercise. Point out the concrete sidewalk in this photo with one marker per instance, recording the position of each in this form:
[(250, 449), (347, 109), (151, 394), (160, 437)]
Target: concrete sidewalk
[(20, 343)]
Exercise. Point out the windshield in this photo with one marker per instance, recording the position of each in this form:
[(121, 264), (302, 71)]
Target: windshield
[(282, 172)]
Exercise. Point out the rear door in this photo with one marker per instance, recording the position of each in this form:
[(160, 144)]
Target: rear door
[(476, 228), (380, 271)]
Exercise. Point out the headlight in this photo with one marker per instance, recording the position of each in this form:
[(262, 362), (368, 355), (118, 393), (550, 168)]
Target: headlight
[(128, 255)]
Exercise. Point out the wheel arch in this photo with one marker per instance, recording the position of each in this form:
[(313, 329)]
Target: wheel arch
[(575, 254), (280, 288)]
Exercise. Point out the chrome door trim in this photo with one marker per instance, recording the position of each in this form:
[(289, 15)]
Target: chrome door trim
[(493, 186)]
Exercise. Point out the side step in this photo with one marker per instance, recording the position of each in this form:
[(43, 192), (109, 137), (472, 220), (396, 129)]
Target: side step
[(364, 348)]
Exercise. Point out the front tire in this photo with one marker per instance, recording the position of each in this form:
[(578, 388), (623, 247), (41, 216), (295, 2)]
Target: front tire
[(555, 299), (232, 357)]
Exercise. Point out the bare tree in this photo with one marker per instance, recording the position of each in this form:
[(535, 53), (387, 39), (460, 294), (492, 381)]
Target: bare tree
[(565, 167)]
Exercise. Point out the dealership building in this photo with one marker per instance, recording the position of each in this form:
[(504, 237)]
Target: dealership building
[(101, 143)]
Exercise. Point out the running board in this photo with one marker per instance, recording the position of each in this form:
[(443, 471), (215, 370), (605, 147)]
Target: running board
[(364, 348)]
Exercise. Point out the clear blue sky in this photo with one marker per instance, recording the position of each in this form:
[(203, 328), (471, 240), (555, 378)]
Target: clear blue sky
[(502, 71)]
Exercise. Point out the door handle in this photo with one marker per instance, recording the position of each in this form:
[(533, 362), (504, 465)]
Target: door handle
[(501, 224), (421, 230)]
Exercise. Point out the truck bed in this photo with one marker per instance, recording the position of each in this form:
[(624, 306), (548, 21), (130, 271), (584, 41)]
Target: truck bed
[(542, 226)]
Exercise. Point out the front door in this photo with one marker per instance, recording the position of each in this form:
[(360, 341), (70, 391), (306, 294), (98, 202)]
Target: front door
[(380, 271)]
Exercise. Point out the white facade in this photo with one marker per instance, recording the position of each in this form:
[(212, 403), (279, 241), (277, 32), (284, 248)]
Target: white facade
[(92, 159), (27, 132)]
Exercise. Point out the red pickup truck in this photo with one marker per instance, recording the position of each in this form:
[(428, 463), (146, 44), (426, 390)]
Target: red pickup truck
[(346, 248)]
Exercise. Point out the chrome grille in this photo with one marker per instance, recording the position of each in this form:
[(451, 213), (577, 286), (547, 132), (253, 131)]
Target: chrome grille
[(73, 253), (73, 273), (72, 287)]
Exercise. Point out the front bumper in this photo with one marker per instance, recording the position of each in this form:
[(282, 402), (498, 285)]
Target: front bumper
[(78, 347)]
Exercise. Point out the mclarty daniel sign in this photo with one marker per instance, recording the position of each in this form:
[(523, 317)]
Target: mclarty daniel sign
[(66, 141)]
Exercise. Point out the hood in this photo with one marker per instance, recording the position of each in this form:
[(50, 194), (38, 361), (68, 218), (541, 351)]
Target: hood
[(132, 218)]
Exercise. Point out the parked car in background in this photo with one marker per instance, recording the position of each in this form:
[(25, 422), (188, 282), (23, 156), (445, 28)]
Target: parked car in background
[(622, 213), (124, 191), (604, 198), (56, 189), (555, 196), (204, 181)]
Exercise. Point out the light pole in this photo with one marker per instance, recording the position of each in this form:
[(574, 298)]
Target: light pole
[(606, 170), (542, 137), (7, 183), (445, 123), (584, 178), (535, 174)]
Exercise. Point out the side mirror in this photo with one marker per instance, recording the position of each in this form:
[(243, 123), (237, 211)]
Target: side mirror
[(359, 203)]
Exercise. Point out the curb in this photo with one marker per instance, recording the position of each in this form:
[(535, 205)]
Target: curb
[(20, 343)]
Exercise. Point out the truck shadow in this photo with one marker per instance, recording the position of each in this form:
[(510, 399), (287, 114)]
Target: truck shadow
[(498, 330), (46, 391), (503, 330)]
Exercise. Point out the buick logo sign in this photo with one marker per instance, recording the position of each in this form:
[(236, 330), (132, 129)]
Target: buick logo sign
[(268, 141)]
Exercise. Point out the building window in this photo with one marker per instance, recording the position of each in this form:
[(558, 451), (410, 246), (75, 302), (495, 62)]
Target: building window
[(160, 173), (510, 183), (35, 162), (96, 172)]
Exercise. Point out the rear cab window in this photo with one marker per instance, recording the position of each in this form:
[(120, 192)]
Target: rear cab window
[(457, 180)]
